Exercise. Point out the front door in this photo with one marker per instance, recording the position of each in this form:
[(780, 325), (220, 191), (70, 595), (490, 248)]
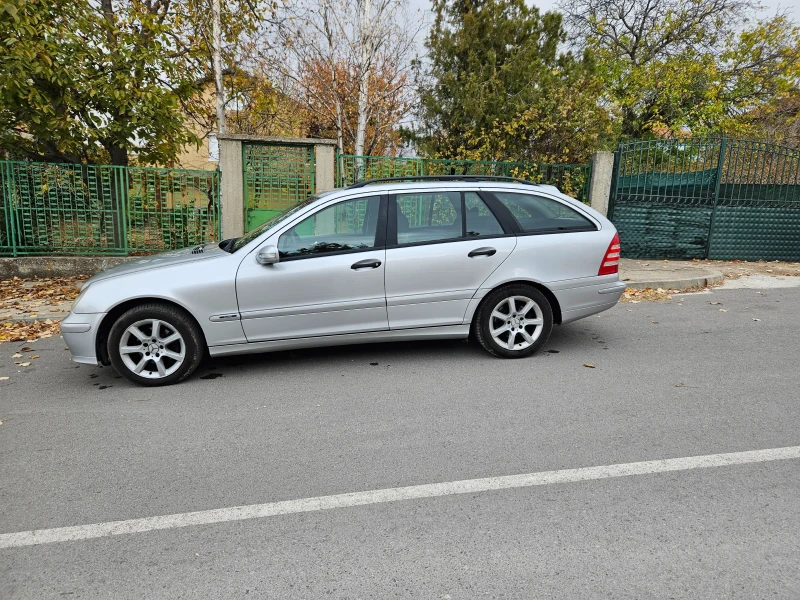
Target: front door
[(329, 279), (442, 245)]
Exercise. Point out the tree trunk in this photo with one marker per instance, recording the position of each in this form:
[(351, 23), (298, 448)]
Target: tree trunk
[(365, 42)]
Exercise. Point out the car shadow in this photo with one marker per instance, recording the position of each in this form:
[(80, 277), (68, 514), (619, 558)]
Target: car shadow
[(563, 339)]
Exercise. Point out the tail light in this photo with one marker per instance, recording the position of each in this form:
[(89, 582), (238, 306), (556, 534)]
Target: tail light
[(610, 264)]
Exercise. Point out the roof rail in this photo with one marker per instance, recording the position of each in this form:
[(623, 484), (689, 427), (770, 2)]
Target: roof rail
[(470, 178)]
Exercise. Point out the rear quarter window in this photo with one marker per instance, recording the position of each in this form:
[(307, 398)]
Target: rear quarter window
[(537, 214)]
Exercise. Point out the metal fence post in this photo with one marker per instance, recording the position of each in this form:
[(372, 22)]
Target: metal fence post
[(720, 164), (10, 213), (612, 195)]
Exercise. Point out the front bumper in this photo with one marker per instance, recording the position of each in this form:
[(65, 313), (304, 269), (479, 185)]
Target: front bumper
[(80, 334)]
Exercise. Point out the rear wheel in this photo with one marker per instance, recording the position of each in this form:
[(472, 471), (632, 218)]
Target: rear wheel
[(514, 321), (155, 344)]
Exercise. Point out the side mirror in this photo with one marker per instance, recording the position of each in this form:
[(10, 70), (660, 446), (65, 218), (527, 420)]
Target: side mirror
[(267, 255)]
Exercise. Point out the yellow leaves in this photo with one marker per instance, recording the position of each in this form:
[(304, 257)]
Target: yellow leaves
[(648, 295)]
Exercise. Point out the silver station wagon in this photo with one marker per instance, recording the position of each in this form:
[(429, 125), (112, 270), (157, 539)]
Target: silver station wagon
[(496, 259)]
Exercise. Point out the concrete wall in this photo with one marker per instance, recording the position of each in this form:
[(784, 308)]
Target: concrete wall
[(231, 187), (325, 164), (600, 184)]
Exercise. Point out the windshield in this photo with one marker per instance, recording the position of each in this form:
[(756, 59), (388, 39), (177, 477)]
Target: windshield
[(249, 237)]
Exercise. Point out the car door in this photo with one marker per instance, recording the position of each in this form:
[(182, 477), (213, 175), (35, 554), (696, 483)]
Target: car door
[(442, 245), (329, 279)]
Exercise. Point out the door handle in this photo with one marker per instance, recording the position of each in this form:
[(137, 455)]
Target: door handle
[(485, 251), (367, 263)]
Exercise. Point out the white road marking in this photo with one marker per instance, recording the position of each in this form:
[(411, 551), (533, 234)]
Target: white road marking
[(414, 492)]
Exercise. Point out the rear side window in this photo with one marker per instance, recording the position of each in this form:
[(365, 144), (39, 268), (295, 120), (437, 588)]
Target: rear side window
[(428, 217), (479, 219), (537, 214)]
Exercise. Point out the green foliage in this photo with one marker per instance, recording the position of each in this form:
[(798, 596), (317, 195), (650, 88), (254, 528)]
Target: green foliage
[(100, 80), (499, 88), (676, 67)]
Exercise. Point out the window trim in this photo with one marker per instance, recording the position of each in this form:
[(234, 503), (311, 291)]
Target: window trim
[(592, 224), (380, 230), (391, 225)]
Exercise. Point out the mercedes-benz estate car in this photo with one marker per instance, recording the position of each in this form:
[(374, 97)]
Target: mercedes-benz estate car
[(496, 259)]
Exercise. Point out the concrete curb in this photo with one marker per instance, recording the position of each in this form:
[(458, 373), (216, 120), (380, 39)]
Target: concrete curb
[(709, 278), (57, 266), (29, 320)]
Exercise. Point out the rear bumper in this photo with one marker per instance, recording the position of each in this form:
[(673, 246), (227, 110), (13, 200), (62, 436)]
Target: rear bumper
[(80, 334), (586, 300)]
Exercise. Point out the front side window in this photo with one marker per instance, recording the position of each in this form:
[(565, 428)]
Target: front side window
[(537, 214), (346, 226)]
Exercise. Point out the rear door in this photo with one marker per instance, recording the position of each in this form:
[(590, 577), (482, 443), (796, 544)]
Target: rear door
[(441, 246)]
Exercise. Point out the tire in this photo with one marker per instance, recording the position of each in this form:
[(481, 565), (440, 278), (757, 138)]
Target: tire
[(178, 345), (496, 336)]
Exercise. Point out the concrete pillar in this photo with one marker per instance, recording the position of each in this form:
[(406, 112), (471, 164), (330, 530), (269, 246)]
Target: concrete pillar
[(600, 184), (325, 165), (232, 186)]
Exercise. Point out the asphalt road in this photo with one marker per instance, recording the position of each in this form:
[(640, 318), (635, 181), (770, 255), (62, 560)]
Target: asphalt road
[(80, 446)]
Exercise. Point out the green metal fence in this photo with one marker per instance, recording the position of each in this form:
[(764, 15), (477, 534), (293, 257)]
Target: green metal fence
[(48, 208), (276, 176), (714, 198), (571, 179)]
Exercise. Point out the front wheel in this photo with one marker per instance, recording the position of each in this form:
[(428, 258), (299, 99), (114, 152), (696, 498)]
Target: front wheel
[(155, 344), (514, 321)]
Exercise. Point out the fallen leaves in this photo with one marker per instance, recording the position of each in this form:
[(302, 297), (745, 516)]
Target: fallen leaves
[(20, 331), (648, 294), (38, 292), (26, 295)]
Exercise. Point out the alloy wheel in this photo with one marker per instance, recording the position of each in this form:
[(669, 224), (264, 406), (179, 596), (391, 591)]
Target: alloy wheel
[(152, 348), (516, 322)]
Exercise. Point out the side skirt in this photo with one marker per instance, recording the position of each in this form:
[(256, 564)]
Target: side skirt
[(424, 333)]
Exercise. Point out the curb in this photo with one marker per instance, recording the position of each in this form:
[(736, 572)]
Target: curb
[(684, 283), (55, 319)]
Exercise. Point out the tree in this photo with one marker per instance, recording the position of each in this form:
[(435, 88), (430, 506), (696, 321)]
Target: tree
[(499, 89), (347, 61), (98, 80), (387, 107), (673, 66)]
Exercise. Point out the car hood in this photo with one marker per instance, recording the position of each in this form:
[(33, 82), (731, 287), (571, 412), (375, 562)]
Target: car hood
[(164, 259)]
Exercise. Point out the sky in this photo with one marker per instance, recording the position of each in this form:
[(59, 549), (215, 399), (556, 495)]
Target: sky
[(770, 6)]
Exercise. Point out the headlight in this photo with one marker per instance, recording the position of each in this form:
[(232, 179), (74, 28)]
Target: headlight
[(78, 298)]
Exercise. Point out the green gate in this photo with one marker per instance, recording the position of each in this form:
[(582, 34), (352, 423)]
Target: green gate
[(276, 177), (720, 198)]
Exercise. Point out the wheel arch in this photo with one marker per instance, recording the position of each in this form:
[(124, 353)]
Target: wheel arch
[(551, 298), (119, 309)]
